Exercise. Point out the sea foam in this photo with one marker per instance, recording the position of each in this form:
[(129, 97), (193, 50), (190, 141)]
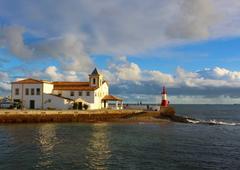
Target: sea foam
[(212, 122)]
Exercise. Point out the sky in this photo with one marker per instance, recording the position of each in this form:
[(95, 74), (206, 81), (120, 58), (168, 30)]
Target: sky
[(191, 47)]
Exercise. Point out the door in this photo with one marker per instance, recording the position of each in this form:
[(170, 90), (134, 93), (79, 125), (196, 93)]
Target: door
[(80, 107), (32, 104)]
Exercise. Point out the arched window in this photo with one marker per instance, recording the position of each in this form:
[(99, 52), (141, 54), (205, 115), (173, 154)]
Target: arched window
[(94, 81)]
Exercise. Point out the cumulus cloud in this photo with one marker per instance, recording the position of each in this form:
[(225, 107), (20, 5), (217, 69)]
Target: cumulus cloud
[(220, 73), (70, 32), (52, 73), (123, 70), (11, 37), (181, 99), (123, 27), (129, 71), (212, 82), (158, 77), (69, 50), (5, 85), (192, 20), (200, 99), (120, 69)]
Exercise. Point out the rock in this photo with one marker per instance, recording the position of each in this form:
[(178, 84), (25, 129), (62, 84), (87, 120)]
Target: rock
[(167, 111)]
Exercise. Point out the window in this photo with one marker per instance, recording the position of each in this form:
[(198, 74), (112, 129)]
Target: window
[(94, 81), (72, 93), (26, 91), (87, 93), (38, 91), (32, 91), (17, 91), (80, 93)]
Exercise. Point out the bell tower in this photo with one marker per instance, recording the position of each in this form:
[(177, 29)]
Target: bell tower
[(95, 79)]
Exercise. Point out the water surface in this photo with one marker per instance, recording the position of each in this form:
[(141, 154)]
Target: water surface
[(126, 146)]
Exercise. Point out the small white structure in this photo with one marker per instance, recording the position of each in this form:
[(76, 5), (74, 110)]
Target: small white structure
[(40, 94), (111, 98)]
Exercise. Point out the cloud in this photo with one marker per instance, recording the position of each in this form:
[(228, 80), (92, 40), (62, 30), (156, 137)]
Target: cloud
[(204, 83), (70, 32), (52, 73), (124, 71), (180, 99), (200, 99), (5, 85), (69, 51), (11, 37), (129, 71), (120, 69), (192, 20), (158, 77), (220, 74), (121, 27)]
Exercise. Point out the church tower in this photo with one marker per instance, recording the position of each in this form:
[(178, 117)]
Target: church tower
[(95, 79)]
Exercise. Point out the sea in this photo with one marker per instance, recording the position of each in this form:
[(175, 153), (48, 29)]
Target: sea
[(210, 142)]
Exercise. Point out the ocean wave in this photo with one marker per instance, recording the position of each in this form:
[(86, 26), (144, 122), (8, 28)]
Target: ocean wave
[(193, 121), (212, 122)]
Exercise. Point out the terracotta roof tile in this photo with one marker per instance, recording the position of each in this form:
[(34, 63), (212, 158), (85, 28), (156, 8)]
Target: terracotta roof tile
[(74, 86), (71, 83), (112, 98), (30, 81)]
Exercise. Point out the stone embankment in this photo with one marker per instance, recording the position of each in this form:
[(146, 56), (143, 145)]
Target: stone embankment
[(106, 115), (37, 116)]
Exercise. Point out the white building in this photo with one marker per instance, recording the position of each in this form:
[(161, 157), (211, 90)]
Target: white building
[(40, 94)]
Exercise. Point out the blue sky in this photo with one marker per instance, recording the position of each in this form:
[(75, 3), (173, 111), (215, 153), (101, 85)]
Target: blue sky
[(192, 47), (193, 57)]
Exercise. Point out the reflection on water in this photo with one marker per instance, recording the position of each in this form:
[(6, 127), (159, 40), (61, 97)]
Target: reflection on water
[(47, 140), (119, 146), (98, 151)]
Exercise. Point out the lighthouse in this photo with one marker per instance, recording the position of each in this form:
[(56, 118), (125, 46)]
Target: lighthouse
[(164, 98)]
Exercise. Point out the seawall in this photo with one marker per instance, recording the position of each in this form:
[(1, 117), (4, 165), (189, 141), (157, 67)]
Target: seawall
[(37, 116), (105, 115)]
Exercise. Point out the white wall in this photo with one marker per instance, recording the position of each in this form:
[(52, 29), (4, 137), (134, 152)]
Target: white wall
[(26, 98), (19, 86), (54, 102), (94, 99), (47, 88), (44, 88), (89, 99), (99, 94)]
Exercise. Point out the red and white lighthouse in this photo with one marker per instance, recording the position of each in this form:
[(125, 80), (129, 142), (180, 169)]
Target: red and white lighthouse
[(165, 101)]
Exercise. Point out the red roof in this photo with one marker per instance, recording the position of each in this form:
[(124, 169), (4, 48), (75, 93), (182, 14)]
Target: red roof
[(30, 81), (78, 86), (60, 85), (112, 98)]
